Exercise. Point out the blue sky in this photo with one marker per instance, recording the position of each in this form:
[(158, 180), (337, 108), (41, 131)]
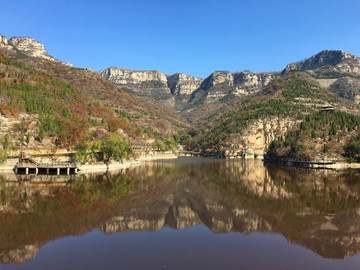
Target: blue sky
[(193, 37)]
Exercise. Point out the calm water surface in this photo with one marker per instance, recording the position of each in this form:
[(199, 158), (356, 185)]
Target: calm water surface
[(191, 213)]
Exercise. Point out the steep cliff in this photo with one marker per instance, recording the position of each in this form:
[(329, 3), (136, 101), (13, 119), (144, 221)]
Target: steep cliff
[(30, 47), (183, 84), (257, 136), (153, 84), (223, 85), (185, 88), (4, 42)]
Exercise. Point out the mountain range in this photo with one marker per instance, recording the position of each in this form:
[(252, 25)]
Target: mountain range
[(180, 101), (335, 70)]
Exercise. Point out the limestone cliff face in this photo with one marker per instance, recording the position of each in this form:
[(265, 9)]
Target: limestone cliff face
[(30, 47), (183, 88), (128, 76), (216, 78), (248, 82), (150, 83), (3, 41), (345, 62), (183, 84), (221, 84), (258, 135)]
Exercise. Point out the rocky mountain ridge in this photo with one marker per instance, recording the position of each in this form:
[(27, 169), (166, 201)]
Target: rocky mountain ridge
[(326, 58), (222, 83), (200, 99), (186, 87), (28, 47)]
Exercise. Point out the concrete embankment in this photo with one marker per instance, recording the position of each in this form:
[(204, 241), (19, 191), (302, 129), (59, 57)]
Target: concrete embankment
[(93, 168), (8, 165)]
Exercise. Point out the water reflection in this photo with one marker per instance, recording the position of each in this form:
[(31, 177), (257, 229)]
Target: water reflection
[(316, 209)]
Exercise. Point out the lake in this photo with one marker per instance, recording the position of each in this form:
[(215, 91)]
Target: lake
[(190, 213)]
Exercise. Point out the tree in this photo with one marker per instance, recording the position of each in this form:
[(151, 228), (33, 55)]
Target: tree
[(159, 145), (326, 148), (41, 133), (352, 149), (82, 149), (5, 147), (27, 140), (115, 147), (171, 143)]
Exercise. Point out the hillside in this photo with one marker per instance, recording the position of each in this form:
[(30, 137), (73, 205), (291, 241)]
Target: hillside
[(266, 116), (46, 104)]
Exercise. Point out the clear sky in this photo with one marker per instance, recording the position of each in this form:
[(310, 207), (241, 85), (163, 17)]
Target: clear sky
[(193, 37)]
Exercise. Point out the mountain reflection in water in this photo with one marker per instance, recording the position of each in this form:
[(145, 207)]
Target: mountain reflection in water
[(319, 210)]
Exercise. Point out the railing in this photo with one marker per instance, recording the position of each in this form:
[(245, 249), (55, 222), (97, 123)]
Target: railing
[(46, 165)]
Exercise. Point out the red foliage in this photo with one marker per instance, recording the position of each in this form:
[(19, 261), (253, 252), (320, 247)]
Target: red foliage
[(80, 109), (114, 123), (72, 131)]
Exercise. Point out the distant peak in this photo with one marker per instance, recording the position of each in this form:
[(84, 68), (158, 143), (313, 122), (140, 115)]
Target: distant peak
[(323, 58), (30, 47)]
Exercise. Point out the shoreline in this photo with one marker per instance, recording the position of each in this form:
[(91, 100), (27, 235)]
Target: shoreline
[(338, 166), (9, 165)]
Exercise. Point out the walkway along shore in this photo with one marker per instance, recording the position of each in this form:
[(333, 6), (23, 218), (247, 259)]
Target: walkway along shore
[(10, 165)]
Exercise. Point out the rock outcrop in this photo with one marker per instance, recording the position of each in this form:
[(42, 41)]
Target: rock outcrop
[(183, 84), (127, 76), (345, 62), (3, 40), (152, 83), (185, 89), (258, 135), (248, 82), (30, 47)]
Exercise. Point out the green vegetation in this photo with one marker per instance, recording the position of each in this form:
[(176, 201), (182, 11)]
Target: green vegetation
[(332, 75), (170, 144), (293, 95), (352, 149), (302, 141), (237, 121), (115, 147), (112, 147), (64, 112), (5, 147)]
